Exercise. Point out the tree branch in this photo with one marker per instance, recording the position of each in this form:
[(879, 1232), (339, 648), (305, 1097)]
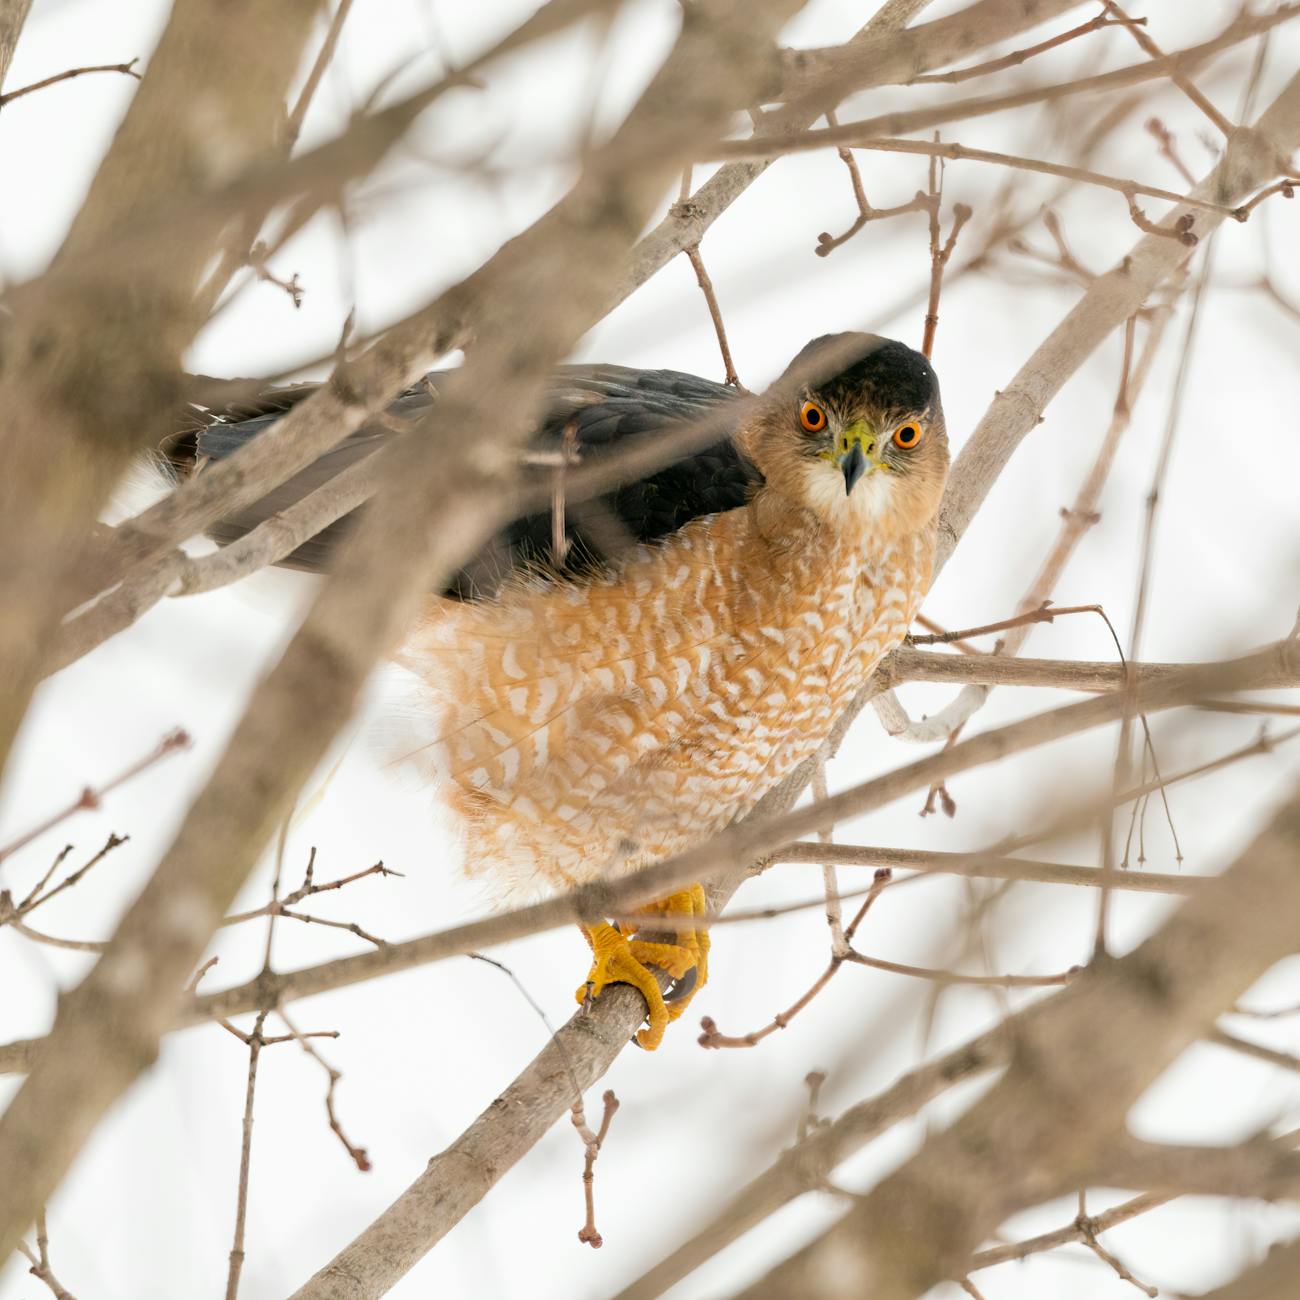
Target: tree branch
[(1081, 1059), (438, 503)]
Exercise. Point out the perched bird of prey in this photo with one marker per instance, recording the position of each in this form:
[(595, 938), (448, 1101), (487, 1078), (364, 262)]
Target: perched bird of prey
[(614, 686)]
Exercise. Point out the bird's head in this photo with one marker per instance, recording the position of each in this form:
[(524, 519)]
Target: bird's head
[(854, 432)]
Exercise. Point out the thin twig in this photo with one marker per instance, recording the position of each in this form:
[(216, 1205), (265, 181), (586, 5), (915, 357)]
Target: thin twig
[(592, 1142), (1017, 57), (957, 977), (1284, 187), (1046, 613), (849, 135), (127, 68), (37, 899), (257, 259), (939, 254), (1123, 757), (40, 1261), (296, 117), (255, 1044), (1088, 1236), (1164, 139), (711, 1037), (308, 889), (834, 912), (827, 243), (36, 889), (91, 798), (200, 973), (715, 312), (1130, 1209), (1176, 75), (357, 1154), (931, 626)]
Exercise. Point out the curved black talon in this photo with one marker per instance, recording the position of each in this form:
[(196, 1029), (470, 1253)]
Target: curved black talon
[(682, 987)]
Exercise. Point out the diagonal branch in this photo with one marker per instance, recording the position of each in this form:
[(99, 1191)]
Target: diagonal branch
[(1081, 1059), (439, 501), (13, 14), (77, 407)]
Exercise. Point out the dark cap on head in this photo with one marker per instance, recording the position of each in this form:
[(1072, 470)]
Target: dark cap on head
[(885, 371)]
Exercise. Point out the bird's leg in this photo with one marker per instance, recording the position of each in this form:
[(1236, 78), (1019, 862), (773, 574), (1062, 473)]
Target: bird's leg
[(612, 962), (620, 958), (686, 959)]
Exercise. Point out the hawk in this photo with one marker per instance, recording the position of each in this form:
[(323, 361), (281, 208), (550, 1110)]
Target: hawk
[(612, 686)]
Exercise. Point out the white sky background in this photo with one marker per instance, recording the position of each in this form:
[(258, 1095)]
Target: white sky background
[(148, 1210)]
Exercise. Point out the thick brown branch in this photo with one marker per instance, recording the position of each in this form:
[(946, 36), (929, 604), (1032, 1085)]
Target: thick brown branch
[(78, 409), (13, 14), (438, 504), (1082, 1058)]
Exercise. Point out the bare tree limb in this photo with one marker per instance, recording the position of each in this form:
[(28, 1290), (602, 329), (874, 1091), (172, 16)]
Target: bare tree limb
[(812, 1161), (13, 14), (1081, 1059), (79, 403), (908, 665), (439, 501), (1275, 1277)]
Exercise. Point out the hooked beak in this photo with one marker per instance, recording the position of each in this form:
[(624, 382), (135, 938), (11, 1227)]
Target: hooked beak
[(854, 466), (857, 454)]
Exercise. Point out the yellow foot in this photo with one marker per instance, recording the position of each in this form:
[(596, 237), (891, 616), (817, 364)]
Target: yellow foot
[(619, 959)]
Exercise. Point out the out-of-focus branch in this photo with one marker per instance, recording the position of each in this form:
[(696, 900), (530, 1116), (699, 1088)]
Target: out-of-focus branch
[(984, 867), (1253, 158), (13, 14), (319, 173), (908, 665), (1082, 1058), (908, 120), (79, 401), (812, 1161), (1275, 1277), (731, 851), (579, 1053), (954, 152), (1017, 57), (437, 504), (1262, 1167), (90, 797), (880, 54), (177, 574)]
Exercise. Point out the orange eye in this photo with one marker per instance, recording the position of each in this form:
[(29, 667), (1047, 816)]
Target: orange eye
[(812, 417), (907, 435)]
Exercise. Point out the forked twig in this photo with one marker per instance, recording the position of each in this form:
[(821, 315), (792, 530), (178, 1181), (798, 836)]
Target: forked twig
[(40, 1261), (939, 253), (592, 1142), (828, 243)]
